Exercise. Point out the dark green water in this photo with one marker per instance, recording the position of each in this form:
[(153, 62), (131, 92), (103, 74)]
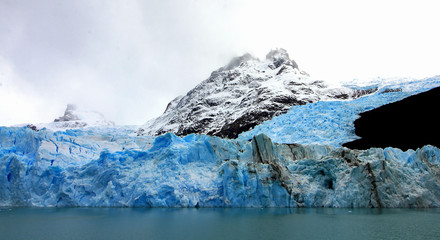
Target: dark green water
[(140, 223)]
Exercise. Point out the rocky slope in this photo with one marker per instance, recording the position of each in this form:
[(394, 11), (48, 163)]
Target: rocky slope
[(241, 95)]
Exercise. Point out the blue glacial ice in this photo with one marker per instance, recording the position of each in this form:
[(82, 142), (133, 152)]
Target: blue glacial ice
[(331, 122), (83, 168), (294, 160)]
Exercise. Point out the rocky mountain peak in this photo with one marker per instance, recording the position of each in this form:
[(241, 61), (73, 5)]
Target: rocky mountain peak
[(69, 114), (278, 53), (75, 117), (241, 95), (280, 56), (237, 61)]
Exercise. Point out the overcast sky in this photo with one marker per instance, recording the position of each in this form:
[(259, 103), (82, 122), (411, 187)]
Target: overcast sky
[(128, 59)]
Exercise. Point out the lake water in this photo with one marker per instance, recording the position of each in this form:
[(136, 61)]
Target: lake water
[(209, 224)]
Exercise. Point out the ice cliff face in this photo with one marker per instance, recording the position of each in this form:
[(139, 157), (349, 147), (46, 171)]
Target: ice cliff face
[(241, 95), (204, 171)]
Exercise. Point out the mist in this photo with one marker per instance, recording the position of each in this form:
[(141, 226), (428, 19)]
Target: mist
[(128, 59)]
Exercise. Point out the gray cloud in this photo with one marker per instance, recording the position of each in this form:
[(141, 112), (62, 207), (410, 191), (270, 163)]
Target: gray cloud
[(127, 59)]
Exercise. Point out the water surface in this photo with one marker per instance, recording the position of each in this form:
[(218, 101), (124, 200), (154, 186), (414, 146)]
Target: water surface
[(142, 223)]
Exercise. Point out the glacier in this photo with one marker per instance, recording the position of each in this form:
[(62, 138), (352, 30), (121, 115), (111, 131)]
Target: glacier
[(293, 160), (83, 168), (331, 122)]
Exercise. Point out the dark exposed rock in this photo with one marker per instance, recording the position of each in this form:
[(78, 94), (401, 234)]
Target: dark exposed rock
[(374, 187), (244, 123), (356, 93), (69, 114), (282, 69), (319, 83), (280, 57), (33, 127), (389, 90), (342, 96), (360, 93)]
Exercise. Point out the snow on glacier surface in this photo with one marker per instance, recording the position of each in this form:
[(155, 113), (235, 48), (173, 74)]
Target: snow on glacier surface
[(331, 122)]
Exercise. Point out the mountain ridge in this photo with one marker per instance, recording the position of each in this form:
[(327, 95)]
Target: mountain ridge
[(242, 94)]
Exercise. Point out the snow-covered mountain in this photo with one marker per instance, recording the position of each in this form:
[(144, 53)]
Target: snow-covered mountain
[(75, 117), (243, 94)]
